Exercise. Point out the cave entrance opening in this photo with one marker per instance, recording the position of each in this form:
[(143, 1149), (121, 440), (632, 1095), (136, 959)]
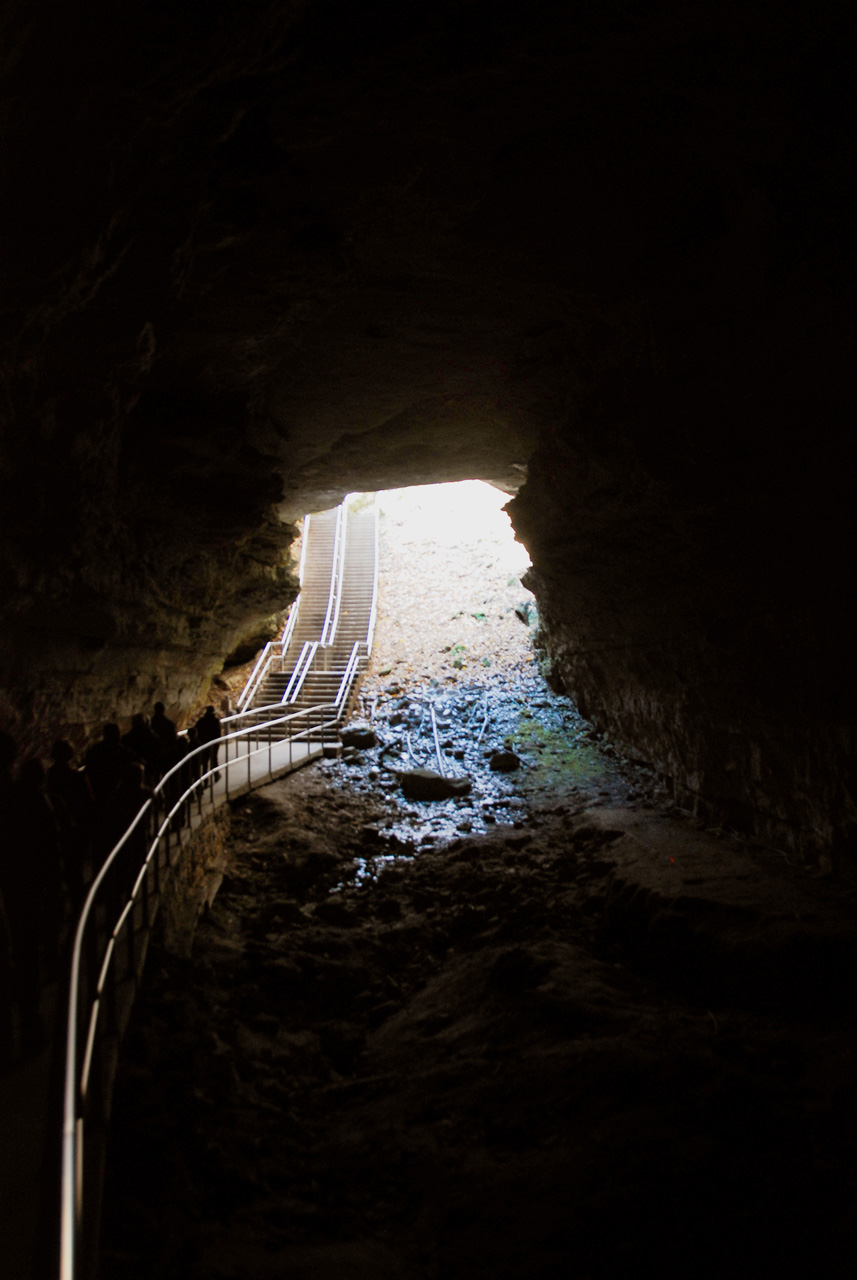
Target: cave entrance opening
[(450, 598)]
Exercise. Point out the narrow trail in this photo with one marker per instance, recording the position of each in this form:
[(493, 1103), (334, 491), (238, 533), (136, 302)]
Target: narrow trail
[(549, 1028)]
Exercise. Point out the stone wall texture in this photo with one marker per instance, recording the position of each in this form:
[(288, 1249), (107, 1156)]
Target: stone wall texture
[(260, 255)]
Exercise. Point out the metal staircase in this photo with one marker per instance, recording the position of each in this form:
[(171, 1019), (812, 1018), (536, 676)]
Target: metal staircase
[(328, 636)]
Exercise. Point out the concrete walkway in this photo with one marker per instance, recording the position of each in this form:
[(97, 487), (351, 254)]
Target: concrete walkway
[(244, 765)]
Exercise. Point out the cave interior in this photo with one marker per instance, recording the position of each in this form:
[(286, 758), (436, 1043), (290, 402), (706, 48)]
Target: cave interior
[(258, 256)]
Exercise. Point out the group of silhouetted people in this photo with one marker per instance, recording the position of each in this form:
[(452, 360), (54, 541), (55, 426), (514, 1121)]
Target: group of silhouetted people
[(57, 827)]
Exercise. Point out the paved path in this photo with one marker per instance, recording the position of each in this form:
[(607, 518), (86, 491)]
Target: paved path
[(252, 764)]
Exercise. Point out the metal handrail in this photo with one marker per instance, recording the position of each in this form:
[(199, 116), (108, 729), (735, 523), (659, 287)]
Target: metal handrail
[(288, 629), (331, 618), (340, 577), (348, 674), (93, 1009), (257, 674), (373, 616), (296, 679), (101, 966), (304, 542)]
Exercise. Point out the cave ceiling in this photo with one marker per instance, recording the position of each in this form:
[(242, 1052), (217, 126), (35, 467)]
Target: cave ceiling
[(354, 248)]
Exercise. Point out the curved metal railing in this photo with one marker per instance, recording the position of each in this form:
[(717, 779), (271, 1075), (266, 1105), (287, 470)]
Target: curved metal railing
[(114, 926), (112, 936)]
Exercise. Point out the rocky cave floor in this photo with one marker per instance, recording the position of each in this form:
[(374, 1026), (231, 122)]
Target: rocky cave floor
[(550, 1028)]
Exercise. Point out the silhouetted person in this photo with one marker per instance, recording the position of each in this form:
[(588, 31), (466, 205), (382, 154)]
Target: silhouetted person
[(7, 1030), (42, 850), (105, 761), (178, 781), (208, 730), (173, 751), (120, 810), (145, 746), (164, 729), (30, 885), (71, 792)]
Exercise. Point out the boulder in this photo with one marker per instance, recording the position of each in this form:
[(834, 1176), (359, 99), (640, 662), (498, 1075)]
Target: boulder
[(425, 784), (504, 762), (359, 735)]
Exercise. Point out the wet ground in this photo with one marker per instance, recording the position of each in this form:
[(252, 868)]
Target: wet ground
[(548, 1029)]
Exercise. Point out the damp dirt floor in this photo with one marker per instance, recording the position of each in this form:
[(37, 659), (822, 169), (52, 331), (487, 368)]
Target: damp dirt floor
[(551, 1028)]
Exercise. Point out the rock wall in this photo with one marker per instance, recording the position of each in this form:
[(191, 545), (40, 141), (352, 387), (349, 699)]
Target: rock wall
[(691, 566), (258, 256), (194, 881)]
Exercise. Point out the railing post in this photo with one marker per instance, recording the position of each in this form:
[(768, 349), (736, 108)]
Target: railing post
[(109, 1002), (130, 942), (145, 903)]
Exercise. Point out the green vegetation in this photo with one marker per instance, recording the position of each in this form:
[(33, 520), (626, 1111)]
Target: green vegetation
[(552, 753)]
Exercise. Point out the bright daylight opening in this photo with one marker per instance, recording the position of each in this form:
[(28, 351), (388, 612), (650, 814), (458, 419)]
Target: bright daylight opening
[(450, 600)]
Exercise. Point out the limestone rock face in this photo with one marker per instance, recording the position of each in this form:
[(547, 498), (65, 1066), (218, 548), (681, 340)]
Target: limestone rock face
[(257, 256)]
